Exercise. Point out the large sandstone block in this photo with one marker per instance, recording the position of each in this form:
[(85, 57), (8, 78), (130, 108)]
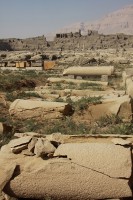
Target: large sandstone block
[(25, 109), (89, 171), (119, 106), (89, 71)]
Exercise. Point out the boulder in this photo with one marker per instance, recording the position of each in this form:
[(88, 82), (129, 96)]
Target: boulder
[(120, 106), (6, 172), (25, 109), (43, 147)]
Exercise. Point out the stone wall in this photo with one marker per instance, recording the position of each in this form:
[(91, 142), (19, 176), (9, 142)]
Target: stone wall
[(70, 41)]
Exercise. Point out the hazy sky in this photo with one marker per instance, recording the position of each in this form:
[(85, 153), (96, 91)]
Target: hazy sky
[(26, 18)]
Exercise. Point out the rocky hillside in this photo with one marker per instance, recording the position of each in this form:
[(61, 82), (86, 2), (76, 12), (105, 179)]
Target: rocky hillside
[(120, 21)]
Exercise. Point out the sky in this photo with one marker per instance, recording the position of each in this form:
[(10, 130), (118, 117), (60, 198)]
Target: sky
[(29, 18)]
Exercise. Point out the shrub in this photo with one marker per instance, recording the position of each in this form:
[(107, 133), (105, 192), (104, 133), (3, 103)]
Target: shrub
[(120, 129), (21, 95), (83, 103), (109, 120)]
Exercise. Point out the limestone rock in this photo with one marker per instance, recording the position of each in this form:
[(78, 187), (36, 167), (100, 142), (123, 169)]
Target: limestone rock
[(120, 141), (117, 165), (19, 148), (6, 173), (43, 147), (89, 71), (31, 145), (32, 134), (25, 109), (1, 128), (20, 141), (120, 106), (26, 152), (58, 137), (90, 171)]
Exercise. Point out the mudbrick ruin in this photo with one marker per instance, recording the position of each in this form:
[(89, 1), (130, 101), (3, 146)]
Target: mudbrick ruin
[(69, 41)]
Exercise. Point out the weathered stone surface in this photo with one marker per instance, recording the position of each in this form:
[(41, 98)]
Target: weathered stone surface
[(19, 148), (32, 134), (31, 145), (6, 172), (1, 128), (24, 109), (65, 180), (20, 141), (95, 171), (43, 147), (108, 159), (119, 141), (120, 106), (89, 71), (27, 153), (58, 137)]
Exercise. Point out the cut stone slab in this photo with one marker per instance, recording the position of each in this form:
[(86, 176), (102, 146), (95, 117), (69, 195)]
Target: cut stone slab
[(20, 141), (43, 147), (109, 159), (63, 179), (25, 109)]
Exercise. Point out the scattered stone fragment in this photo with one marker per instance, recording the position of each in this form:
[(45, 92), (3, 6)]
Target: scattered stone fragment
[(43, 147), (120, 141), (31, 145), (58, 137), (26, 152), (19, 148), (32, 134), (20, 141)]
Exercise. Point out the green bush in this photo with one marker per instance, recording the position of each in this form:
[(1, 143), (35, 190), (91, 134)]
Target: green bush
[(84, 102), (21, 95), (109, 120)]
